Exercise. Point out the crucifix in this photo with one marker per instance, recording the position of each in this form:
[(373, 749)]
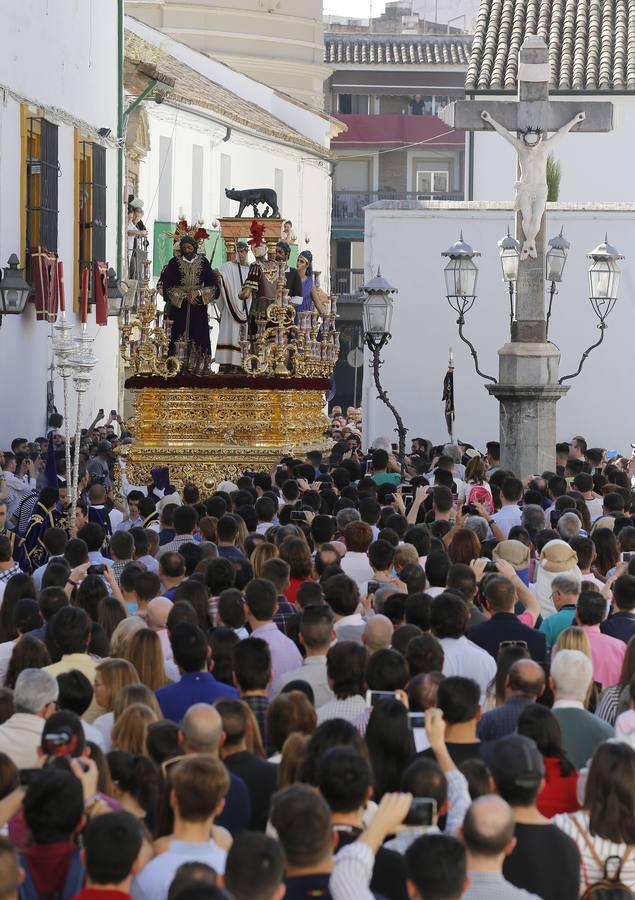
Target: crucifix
[(528, 387)]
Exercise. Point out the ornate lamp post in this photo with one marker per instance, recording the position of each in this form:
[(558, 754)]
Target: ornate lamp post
[(510, 258), (461, 275), (604, 280), (14, 290), (555, 260), (377, 296)]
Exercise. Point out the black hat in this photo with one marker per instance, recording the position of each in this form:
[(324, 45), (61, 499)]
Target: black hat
[(516, 760)]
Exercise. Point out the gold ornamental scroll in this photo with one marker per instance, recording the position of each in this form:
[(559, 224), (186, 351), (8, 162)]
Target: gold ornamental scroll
[(211, 434)]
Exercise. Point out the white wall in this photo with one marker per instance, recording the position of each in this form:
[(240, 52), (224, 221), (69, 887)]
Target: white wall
[(407, 244), (595, 166), (62, 55), (306, 180)]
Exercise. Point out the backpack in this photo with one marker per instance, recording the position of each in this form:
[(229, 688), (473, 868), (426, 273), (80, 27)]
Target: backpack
[(609, 887), (72, 885), (481, 495)]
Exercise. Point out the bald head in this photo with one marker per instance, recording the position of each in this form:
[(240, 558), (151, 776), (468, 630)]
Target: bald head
[(158, 612), (488, 828), (377, 634), (202, 729), (526, 677)]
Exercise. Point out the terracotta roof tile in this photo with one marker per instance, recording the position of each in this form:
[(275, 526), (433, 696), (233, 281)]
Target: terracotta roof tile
[(591, 43), (404, 50), (194, 89)]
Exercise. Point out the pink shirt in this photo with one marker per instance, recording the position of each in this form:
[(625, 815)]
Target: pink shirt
[(607, 654)]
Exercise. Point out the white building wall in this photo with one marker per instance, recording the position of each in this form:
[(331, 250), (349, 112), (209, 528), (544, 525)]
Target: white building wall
[(407, 244), (595, 167), (61, 55)]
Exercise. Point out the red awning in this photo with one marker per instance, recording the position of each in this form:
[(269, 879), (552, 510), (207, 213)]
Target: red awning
[(383, 131)]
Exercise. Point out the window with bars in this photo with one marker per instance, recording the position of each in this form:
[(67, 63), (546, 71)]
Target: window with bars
[(42, 172), (91, 206)]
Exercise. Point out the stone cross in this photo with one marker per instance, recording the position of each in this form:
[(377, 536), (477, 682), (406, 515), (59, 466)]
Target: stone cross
[(528, 387), (532, 117)]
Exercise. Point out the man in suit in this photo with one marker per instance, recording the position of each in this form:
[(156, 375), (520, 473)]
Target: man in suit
[(571, 673), (500, 593), (294, 283)]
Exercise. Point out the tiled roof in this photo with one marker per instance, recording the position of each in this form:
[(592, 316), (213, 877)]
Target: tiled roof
[(591, 43), (404, 50), (194, 89)]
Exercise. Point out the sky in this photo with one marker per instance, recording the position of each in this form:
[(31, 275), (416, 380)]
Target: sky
[(353, 8)]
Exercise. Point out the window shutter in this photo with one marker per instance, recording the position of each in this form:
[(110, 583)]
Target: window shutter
[(99, 203), (50, 173)]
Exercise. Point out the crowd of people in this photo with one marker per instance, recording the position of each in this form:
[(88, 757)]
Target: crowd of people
[(323, 681)]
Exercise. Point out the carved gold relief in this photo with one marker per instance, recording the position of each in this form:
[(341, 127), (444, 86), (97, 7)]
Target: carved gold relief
[(207, 435)]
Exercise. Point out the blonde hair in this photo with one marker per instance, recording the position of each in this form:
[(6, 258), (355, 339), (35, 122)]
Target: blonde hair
[(573, 638), (262, 554), (255, 743), (116, 675), (136, 693), (293, 755), (146, 655), (122, 634), (130, 731), (405, 555)]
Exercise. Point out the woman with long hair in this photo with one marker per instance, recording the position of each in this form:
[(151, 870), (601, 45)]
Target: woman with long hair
[(136, 784), (110, 613), (616, 699), (607, 550), (196, 594), (262, 554), (297, 553), (495, 694), (605, 826), (122, 634), (287, 714), (29, 653), (130, 730), (90, 593), (111, 677), (561, 779), (145, 653), (18, 587), (464, 546), (390, 745)]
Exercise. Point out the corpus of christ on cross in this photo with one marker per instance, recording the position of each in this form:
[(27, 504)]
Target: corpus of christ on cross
[(528, 387)]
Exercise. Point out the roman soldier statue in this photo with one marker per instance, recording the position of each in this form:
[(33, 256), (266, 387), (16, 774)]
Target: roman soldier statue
[(188, 284), (262, 278)]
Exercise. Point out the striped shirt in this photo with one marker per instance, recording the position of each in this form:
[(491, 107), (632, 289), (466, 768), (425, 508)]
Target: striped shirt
[(590, 871), (7, 574)]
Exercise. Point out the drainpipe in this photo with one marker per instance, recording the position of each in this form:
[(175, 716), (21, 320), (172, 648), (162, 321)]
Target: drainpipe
[(120, 137)]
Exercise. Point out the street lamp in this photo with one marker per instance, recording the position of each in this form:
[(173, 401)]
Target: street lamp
[(510, 258), (604, 279), (14, 290), (555, 260), (461, 274), (377, 296)]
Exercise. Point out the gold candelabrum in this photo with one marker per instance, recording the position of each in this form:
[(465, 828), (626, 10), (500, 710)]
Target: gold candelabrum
[(283, 342), (144, 343)]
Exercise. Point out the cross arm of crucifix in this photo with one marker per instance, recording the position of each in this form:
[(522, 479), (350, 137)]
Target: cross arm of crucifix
[(566, 128), (500, 129)]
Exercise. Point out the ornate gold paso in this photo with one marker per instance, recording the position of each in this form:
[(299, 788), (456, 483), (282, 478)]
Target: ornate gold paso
[(210, 434)]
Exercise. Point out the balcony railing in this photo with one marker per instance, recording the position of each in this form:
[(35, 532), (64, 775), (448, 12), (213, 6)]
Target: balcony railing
[(346, 281), (348, 206)]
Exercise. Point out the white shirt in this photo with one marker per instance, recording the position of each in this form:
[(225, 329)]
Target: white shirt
[(595, 507), (17, 487), (313, 671), (91, 733), (153, 882), (462, 657), (506, 518), (356, 566), (6, 651), (263, 527), (104, 724)]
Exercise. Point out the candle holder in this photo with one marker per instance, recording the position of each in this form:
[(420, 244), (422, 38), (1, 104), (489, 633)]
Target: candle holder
[(144, 344)]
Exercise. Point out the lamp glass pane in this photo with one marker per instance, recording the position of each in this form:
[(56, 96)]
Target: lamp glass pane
[(509, 264), (604, 279), (460, 277), (555, 264), (377, 313)]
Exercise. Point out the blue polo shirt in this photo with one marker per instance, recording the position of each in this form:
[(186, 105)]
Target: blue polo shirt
[(194, 687)]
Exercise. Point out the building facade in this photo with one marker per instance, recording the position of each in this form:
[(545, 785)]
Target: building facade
[(277, 42), (57, 189), (388, 91)]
